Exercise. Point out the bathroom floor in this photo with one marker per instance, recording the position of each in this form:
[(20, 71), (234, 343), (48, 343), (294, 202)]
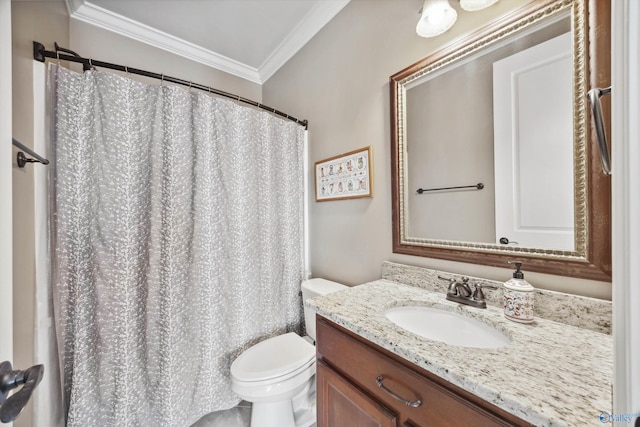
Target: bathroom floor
[(240, 416)]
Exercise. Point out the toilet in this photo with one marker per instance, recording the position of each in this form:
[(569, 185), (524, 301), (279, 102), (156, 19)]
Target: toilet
[(277, 375)]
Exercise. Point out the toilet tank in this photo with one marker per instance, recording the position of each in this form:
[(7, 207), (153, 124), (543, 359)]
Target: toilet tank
[(310, 289)]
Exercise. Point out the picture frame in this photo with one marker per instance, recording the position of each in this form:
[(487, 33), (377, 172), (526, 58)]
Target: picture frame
[(345, 176)]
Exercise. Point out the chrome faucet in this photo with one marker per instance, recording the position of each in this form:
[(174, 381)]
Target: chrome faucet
[(460, 292)]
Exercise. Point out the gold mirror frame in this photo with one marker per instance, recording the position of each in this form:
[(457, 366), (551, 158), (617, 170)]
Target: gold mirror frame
[(591, 258)]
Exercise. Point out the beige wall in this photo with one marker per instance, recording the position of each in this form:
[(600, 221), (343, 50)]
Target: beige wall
[(450, 144), (339, 82), (42, 21)]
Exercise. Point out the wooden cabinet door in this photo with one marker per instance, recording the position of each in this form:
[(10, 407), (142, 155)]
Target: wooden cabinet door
[(341, 404)]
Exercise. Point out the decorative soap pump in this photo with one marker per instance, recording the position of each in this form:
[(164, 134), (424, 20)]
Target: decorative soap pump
[(518, 297)]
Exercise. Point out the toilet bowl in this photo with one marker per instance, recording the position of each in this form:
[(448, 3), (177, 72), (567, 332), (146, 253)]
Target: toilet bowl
[(278, 374)]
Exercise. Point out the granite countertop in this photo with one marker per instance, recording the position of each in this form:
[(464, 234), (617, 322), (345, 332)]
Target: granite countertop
[(552, 374)]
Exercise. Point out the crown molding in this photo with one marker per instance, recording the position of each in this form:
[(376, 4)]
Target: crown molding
[(73, 5), (102, 18), (321, 13)]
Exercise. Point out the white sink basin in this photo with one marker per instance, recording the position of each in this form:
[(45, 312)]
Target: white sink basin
[(447, 327)]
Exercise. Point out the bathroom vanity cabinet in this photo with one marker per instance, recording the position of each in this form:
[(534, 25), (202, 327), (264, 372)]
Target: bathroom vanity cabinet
[(349, 372)]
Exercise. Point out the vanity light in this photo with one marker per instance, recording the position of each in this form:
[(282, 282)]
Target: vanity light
[(473, 5), (437, 17)]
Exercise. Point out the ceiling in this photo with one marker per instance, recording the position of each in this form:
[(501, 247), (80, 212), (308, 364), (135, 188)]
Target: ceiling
[(251, 39)]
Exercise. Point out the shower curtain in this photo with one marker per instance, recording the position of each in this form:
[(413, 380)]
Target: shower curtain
[(177, 243)]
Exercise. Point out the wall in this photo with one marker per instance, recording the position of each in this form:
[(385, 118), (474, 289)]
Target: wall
[(6, 158), (449, 147), (46, 21), (339, 82)]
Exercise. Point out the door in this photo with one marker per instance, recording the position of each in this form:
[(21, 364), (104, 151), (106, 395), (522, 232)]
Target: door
[(533, 120), (6, 157), (341, 404)]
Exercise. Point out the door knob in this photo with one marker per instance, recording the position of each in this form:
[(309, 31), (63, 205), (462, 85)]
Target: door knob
[(506, 241), (9, 379)]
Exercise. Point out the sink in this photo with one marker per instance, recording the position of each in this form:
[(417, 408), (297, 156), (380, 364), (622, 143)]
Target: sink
[(447, 327)]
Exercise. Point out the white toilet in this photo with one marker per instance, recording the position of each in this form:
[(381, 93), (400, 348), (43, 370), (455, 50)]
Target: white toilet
[(278, 374)]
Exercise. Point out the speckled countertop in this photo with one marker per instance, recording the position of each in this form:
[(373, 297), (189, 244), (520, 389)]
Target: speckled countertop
[(552, 374)]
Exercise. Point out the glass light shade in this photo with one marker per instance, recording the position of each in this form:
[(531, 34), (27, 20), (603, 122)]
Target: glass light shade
[(437, 17), (473, 5)]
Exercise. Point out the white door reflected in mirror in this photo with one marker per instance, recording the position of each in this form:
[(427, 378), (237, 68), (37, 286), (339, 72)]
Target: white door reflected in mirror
[(533, 146)]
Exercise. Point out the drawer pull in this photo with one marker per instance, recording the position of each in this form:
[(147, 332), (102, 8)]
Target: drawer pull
[(395, 396)]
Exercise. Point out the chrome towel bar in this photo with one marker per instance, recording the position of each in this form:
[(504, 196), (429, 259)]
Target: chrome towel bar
[(478, 186), (23, 160)]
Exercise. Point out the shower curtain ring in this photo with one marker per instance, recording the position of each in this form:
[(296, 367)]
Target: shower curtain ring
[(190, 83), (126, 70), (90, 64), (58, 56), (161, 79)]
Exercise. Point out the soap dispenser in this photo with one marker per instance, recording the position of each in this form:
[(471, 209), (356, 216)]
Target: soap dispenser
[(518, 297)]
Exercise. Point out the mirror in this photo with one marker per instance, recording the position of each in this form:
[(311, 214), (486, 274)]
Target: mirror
[(491, 146)]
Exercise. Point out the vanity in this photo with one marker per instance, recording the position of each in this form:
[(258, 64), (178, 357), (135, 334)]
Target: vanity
[(556, 371), (350, 369)]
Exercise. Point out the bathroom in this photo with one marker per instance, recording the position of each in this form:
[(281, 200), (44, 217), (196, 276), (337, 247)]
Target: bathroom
[(339, 82)]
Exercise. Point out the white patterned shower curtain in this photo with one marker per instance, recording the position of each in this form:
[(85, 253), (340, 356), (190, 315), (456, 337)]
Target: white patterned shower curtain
[(178, 242)]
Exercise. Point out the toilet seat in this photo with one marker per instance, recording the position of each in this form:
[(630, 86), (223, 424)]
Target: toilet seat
[(274, 359)]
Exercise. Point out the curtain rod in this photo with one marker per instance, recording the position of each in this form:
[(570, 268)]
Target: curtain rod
[(40, 53)]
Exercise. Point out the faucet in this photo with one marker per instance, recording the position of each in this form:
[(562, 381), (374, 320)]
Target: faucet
[(461, 292)]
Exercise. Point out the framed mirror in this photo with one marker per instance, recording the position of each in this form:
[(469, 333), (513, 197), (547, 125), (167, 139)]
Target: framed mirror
[(492, 151)]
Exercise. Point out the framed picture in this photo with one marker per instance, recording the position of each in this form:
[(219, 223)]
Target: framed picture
[(346, 176)]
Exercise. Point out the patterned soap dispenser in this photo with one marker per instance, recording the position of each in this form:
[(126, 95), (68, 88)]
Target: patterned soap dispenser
[(518, 297)]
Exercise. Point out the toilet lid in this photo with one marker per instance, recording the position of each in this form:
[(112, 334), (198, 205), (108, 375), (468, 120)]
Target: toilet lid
[(273, 357)]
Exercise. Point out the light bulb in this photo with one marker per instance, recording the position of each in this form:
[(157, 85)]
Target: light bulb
[(473, 5), (437, 17)]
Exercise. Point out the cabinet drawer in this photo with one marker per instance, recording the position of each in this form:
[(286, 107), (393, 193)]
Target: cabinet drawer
[(363, 365)]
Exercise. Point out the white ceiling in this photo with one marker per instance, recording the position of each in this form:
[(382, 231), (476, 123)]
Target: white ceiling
[(251, 39)]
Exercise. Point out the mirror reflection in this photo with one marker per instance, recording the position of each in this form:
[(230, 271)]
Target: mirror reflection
[(502, 112), (499, 124)]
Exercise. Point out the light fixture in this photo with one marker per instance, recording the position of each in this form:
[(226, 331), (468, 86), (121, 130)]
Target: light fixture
[(437, 17), (473, 5)]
